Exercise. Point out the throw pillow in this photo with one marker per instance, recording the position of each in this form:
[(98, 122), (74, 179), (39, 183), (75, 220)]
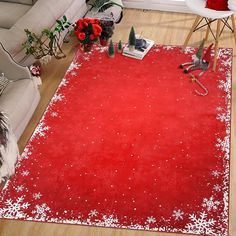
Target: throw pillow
[(220, 5)]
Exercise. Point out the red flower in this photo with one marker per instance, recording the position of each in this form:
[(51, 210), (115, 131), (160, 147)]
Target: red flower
[(91, 36), (97, 30), (96, 21), (79, 24), (88, 29), (80, 35), (87, 20)]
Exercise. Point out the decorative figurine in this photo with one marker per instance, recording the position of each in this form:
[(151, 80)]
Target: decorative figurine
[(120, 47), (198, 62), (111, 50), (201, 63), (132, 39)]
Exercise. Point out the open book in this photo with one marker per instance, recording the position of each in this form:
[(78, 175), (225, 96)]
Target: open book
[(141, 49)]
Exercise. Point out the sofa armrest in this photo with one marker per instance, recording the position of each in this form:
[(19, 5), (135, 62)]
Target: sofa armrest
[(10, 68)]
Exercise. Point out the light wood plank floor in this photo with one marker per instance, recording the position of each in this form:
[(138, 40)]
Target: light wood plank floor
[(164, 28)]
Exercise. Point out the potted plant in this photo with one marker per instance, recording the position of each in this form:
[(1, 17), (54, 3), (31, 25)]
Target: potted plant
[(107, 31), (132, 39), (87, 32), (48, 44)]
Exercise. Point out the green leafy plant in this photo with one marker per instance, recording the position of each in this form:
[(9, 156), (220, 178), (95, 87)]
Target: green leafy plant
[(48, 42)]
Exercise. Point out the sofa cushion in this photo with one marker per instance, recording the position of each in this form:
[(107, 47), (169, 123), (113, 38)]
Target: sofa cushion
[(10, 13), (16, 100), (28, 2)]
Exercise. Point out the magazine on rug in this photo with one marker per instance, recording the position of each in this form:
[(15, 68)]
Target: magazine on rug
[(142, 47)]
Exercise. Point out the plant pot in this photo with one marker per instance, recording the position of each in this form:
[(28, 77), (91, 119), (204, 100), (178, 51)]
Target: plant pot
[(131, 48), (103, 42)]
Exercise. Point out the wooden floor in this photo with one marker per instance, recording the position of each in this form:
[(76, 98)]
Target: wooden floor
[(164, 28)]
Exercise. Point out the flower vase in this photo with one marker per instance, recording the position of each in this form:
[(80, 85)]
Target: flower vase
[(87, 47)]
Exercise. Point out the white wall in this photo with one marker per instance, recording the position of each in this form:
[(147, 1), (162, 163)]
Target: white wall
[(163, 5)]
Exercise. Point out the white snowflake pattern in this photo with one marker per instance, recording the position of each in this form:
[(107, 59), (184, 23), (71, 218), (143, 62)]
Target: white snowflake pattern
[(86, 58), (189, 50), (73, 73), (168, 47), (41, 211), (26, 154), (210, 204), (101, 49), (41, 130), (57, 98), (14, 210), (64, 82), (178, 215), (217, 188), (227, 63), (151, 220), (25, 173), (223, 145), (201, 224), (73, 66), (110, 221), (54, 114), (19, 188), (223, 117), (157, 49), (219, 109), (93, 213), (37, 196), (215, 173), (225, 85)]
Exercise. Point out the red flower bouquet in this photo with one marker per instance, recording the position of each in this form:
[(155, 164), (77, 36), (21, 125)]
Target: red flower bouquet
[(88, 30)]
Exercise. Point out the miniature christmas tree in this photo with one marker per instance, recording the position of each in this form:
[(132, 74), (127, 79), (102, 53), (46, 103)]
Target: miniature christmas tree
[(120, 47), (200, 49), (111, 49), (132, 39)]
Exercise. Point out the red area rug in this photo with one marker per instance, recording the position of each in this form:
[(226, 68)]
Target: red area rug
[(128, 144)]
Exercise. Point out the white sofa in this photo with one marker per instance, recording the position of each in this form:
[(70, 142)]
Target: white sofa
[(20, 98), (35, 15)]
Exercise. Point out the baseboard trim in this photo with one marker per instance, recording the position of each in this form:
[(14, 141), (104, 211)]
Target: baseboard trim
[(161, 5)]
